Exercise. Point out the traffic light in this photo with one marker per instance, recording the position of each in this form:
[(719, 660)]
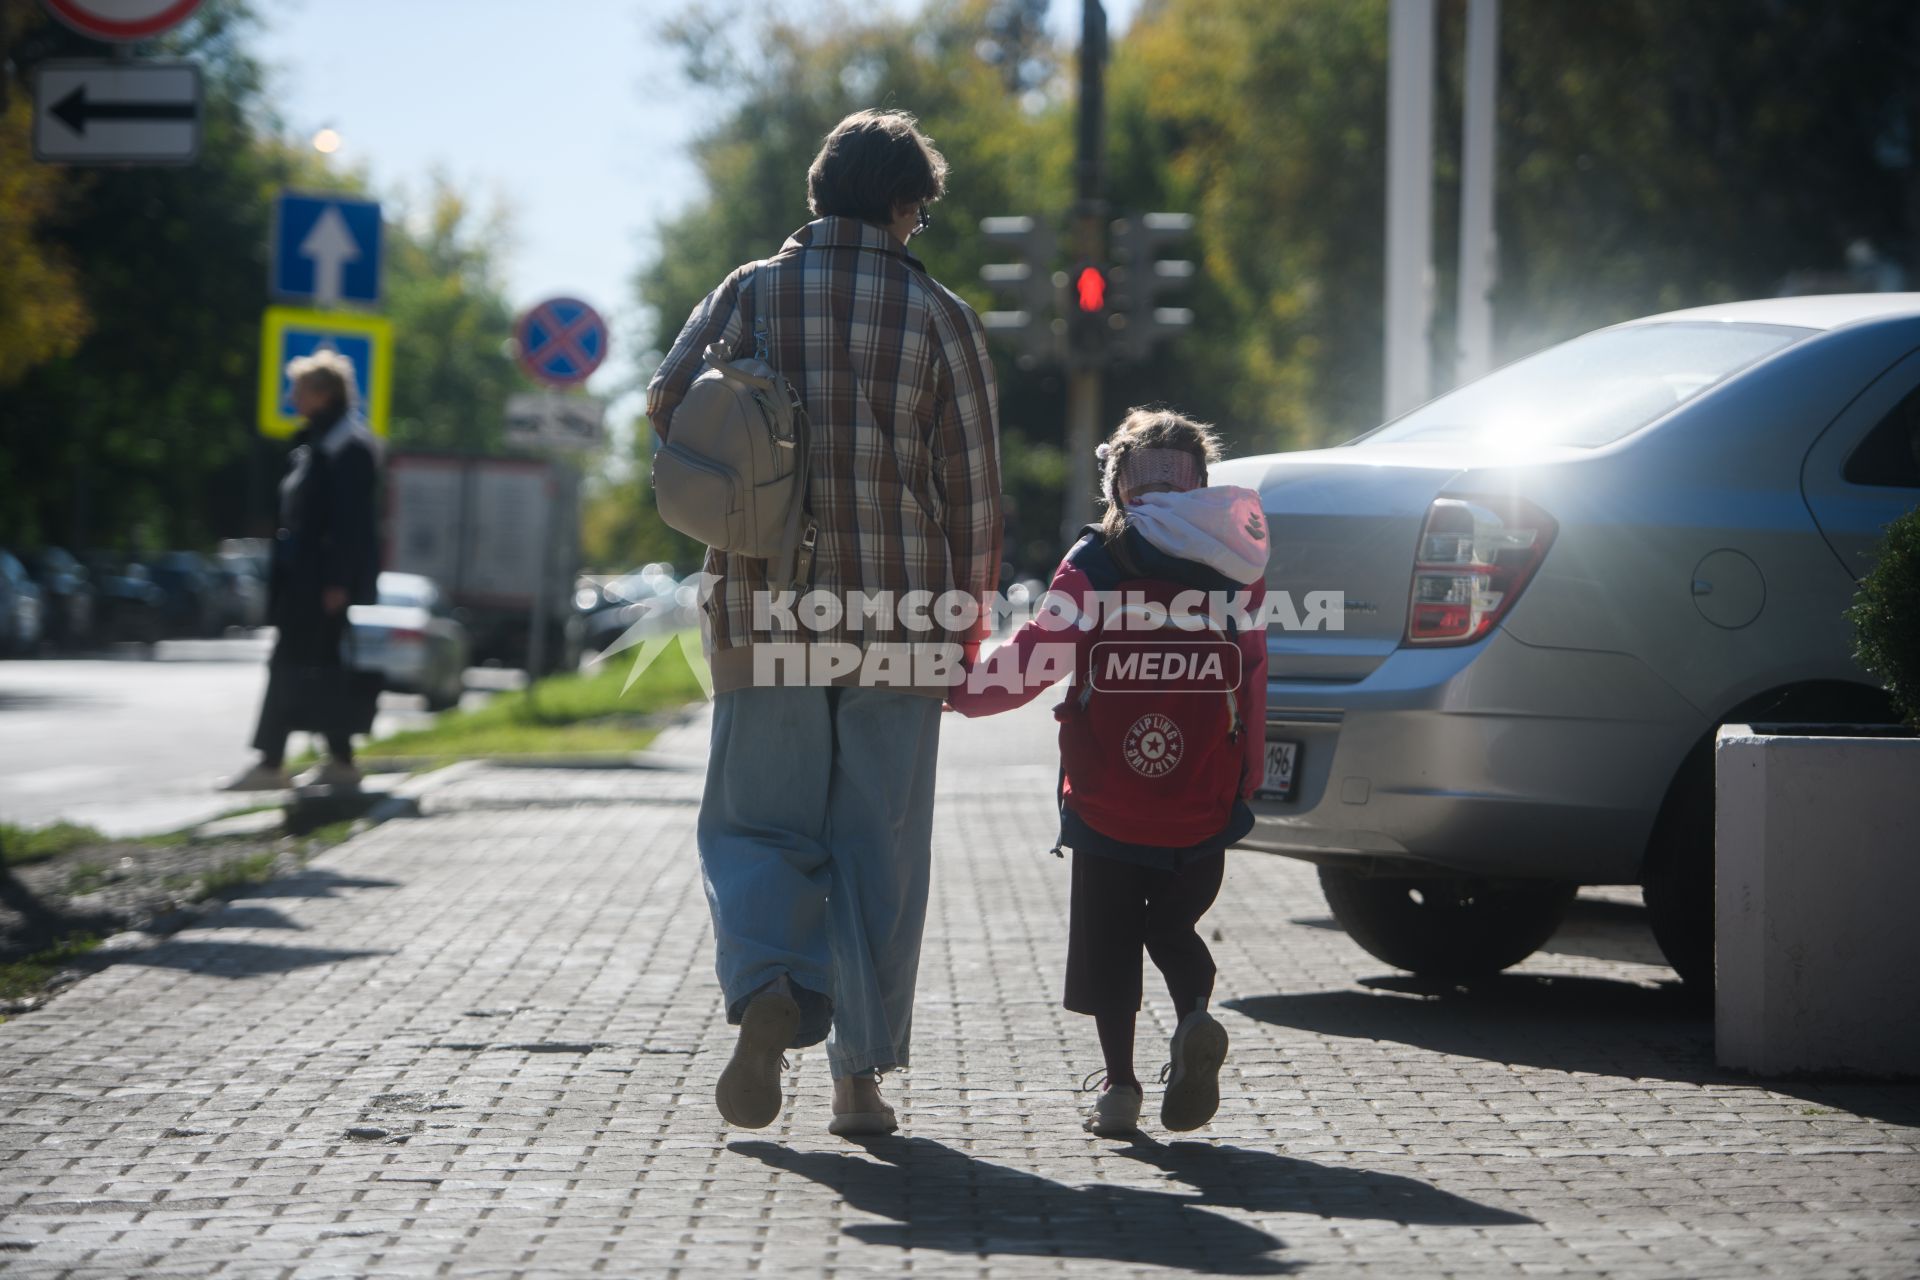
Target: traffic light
[(1027, 283), (1090, 290), (1089, 316), (1141, 276)]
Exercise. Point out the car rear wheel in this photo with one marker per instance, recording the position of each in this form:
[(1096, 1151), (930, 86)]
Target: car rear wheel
[(447, 695), (1677, 881), (1445, 927)]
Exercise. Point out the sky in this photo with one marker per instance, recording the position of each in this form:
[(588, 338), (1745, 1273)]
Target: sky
[(572, 115)]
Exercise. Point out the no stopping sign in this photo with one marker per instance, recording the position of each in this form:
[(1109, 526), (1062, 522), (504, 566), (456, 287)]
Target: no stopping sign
[(122, 19)]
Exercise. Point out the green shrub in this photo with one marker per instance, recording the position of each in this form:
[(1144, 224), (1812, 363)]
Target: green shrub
[(1886, 616)]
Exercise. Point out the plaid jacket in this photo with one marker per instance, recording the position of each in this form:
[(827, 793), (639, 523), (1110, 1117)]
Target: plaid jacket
[(904, 472)]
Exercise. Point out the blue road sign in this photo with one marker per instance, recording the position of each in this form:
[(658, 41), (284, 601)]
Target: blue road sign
[(289, 333), (326, 249), (562, 341)]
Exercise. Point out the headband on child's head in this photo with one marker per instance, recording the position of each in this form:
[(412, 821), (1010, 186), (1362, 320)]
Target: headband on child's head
[(1137, 468)]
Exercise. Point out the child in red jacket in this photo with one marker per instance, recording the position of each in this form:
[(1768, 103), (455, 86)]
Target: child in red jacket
[(1154, 614)]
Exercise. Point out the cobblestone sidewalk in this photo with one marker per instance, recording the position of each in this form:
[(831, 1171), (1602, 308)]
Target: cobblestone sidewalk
[(483, 1043)]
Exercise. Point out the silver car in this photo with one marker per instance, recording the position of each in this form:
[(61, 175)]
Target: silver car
[(1559, 580), (412, 639)]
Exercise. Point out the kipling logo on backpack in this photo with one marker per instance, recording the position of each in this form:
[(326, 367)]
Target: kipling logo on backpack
[(1153, 747)]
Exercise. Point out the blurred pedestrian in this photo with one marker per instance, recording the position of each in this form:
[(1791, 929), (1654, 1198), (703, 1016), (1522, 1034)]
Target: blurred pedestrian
[(326, 557), (816, 829)]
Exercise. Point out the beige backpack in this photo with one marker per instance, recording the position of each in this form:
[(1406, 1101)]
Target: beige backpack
[(734, 472)]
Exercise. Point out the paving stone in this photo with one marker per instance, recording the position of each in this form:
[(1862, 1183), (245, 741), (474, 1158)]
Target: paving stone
[(487, 1048)]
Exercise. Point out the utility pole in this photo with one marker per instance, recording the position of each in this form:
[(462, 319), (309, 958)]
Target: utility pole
[(1086, 355), (1409, 300), (1478, 268)]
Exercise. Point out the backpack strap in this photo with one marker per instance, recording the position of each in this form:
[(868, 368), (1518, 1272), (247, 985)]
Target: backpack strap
[(792, 569)]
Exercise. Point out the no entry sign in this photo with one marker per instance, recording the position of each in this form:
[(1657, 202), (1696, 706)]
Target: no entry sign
[(562, 341), (122, 19)]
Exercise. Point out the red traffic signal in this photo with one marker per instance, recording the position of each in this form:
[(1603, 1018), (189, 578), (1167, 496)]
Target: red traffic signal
[(1090, 288)]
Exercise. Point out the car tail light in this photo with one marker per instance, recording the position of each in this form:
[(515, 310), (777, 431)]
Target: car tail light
[(406, 635), (1474, 558)]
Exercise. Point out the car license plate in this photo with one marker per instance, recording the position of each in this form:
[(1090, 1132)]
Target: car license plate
[(1282, 761)]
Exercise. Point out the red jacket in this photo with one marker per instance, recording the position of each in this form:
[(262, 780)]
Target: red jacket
[(1113, 805)]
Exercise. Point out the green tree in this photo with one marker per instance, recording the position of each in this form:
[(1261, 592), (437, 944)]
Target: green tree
[(143, 434), (1006, 139), (41, 312), (144, 431), (451, 321)]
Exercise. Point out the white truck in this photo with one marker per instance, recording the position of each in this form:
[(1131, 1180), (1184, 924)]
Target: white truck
[(501, 536)]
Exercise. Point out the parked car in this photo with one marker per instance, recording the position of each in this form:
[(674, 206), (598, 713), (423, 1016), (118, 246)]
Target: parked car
[(1559, 581), (193, 607), (67, 595), (241, 590), (21, 615), (129, 606), (413, 639), (604, 610)]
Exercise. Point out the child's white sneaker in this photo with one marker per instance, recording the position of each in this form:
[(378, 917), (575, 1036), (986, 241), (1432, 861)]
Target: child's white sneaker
[(1193, 1075), (1115, 1113)]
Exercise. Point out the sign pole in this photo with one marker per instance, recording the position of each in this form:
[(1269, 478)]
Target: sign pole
[(1409, 302), (1478, 269), (537, 622)]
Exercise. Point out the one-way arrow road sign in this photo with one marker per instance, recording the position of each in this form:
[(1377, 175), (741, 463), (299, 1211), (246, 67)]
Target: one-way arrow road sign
[(75, 111), (326, 249), (117, 113)]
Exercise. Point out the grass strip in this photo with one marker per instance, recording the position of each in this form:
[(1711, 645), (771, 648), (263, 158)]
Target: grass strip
[(20, 846), (570, 714), (23, 978)]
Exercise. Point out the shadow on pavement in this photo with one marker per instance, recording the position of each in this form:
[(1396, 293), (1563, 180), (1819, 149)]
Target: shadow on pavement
[(939, 1198), (35, 699), (229, 959), (311, 883), (1593, 1025), (1263, 1182), (249, 918), (1599, 928), (1563, 1023)]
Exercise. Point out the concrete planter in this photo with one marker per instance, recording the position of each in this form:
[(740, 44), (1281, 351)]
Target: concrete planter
[(1817, 912)]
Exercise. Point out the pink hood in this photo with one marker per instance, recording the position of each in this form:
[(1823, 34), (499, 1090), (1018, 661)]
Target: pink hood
[(1221, 527)]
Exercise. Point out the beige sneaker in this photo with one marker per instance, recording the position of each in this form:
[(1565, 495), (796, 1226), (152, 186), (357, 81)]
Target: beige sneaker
[(1193, 1076), (748, 1093), (1115, 1113), (333, 773), (858, 1109), (262, 777)]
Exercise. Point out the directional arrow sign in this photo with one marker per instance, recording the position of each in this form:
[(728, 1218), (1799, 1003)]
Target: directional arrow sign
[(117, 113), (326, 249), (331, 247), (290, 332)]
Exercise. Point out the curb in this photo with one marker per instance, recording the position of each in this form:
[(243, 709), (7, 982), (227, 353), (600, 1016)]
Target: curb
[(401, 801)]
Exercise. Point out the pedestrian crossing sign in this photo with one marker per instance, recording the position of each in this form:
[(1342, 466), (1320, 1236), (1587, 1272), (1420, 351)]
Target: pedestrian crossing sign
[(288, 333)]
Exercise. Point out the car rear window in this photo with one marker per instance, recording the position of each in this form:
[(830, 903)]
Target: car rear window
[(407, 592), (1590, 391)]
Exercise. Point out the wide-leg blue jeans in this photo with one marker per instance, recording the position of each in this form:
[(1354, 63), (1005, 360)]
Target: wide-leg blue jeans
[(815, 838)]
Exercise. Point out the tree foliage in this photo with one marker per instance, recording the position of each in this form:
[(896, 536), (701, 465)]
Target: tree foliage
[(131, 307), (1650, 155), (451, 324), (41, 311)]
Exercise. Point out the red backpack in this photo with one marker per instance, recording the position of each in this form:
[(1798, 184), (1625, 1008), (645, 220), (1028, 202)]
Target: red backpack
[(1150, 732)]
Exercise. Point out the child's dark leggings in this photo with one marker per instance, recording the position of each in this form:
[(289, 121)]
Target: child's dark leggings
[(1118, 909)]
